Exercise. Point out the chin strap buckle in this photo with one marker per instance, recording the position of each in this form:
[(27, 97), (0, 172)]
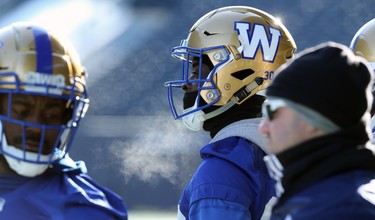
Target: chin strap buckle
[(246, 91)]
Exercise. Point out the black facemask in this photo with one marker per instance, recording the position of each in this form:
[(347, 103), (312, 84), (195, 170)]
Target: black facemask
[(189, 99)]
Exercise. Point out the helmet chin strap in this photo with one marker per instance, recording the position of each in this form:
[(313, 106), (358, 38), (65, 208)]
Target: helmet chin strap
[(195, 120)]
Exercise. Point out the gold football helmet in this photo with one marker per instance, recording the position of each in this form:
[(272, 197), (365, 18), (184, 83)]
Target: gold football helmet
[(34, 61), (363, 45), (363, 42), (244, 46)]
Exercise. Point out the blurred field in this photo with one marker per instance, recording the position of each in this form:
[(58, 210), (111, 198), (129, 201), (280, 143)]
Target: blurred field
[(171, 215), (151, 215)]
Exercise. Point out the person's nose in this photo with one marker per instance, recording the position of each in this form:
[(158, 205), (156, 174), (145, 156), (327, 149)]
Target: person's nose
[(264, 126), (188, 87), (35, 119)]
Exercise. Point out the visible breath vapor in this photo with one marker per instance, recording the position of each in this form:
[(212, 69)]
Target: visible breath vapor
[(161, 148)]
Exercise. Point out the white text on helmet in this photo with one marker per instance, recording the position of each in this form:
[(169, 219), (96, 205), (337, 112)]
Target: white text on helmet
[(258, 38), (39, 79)]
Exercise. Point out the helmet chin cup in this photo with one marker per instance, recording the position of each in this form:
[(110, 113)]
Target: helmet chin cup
[(24, 168), (195, 120)]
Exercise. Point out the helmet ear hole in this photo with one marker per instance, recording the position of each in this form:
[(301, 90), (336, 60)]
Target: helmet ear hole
[(242, 74)]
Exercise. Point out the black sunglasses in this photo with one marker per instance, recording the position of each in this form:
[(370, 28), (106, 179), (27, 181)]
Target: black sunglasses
[(270, 107)]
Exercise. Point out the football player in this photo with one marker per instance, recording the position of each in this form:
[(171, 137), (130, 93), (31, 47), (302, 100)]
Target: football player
[(43, 97), (229, 56), (363, 44)]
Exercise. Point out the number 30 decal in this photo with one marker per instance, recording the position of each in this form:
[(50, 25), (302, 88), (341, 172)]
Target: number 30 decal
[(269, 75)]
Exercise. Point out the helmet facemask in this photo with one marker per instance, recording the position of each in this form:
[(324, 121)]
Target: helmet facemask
[(213, 94), (199, 72), (54, 140)]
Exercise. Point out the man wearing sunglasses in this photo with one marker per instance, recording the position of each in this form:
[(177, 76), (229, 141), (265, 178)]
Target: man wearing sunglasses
[(317, 120)]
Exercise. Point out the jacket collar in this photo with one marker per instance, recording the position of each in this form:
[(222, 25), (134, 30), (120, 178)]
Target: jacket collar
[(247, 128)]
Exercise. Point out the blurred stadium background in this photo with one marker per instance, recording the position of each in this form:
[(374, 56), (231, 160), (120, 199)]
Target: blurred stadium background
[(129, 140)]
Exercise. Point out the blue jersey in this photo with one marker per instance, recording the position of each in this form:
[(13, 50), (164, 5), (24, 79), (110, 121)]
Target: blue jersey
[(231, 174), (63, 192), (346, 196), (327, 177)]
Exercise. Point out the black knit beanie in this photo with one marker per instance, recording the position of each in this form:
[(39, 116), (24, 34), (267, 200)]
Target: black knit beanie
[(329, 79)]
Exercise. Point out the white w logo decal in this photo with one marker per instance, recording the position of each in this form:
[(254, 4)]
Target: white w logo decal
[(258, 38)]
